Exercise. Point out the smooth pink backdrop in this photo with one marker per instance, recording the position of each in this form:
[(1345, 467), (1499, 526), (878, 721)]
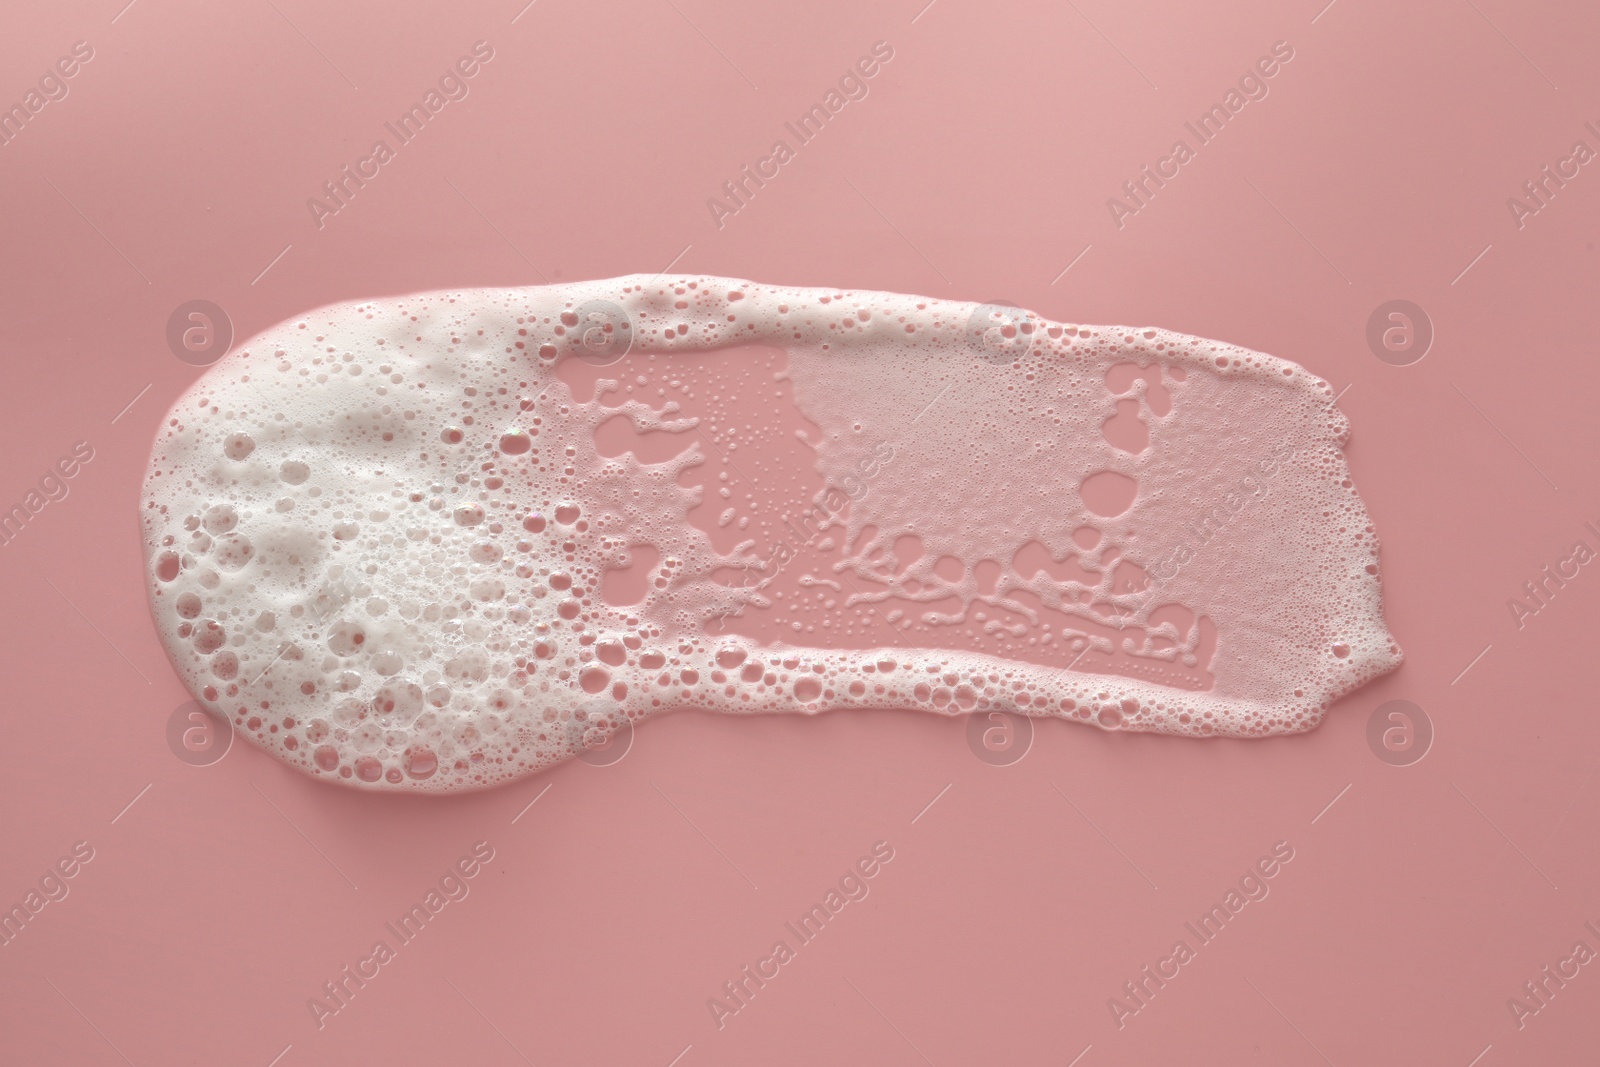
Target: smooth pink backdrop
[(178, 167)]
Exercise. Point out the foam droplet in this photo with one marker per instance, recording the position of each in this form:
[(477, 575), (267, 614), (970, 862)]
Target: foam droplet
[(420, 557)]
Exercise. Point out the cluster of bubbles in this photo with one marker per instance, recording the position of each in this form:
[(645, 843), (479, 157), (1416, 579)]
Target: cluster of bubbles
[(377, 534)]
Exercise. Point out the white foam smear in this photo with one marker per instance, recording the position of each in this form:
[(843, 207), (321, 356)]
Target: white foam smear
[(377, 534)]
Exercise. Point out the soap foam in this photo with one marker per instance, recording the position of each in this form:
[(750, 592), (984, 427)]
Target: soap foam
[(384, 540)]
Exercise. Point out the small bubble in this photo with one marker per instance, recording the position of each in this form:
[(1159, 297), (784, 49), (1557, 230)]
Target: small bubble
[(167, 566), (238, 445), (420, 763), (220, 518)]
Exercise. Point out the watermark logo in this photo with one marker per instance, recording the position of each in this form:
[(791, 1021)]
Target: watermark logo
[(601, 331), (197, 736), (199, 332), (1399, 332), (601, 747), (1399, 733), (1000, 332), (999, 738)]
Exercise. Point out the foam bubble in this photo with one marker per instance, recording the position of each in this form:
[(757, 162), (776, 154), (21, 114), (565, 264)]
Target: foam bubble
[(388, 542)]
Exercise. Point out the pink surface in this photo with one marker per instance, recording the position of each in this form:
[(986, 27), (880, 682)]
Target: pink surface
[(1378, 167)]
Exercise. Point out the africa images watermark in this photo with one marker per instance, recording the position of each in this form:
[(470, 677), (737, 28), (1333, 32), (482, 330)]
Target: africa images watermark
[(1538, 592), (852, 886), (1551, 979), (50, 88), (852, 85), (53, 889), (452, 887), (1210, 522), (452, 86), (1252, 85), (1541, 190), (1252, 887), (53, 488), (821, 513)]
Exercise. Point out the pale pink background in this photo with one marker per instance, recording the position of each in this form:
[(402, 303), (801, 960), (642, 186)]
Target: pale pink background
[(1380, 165)]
